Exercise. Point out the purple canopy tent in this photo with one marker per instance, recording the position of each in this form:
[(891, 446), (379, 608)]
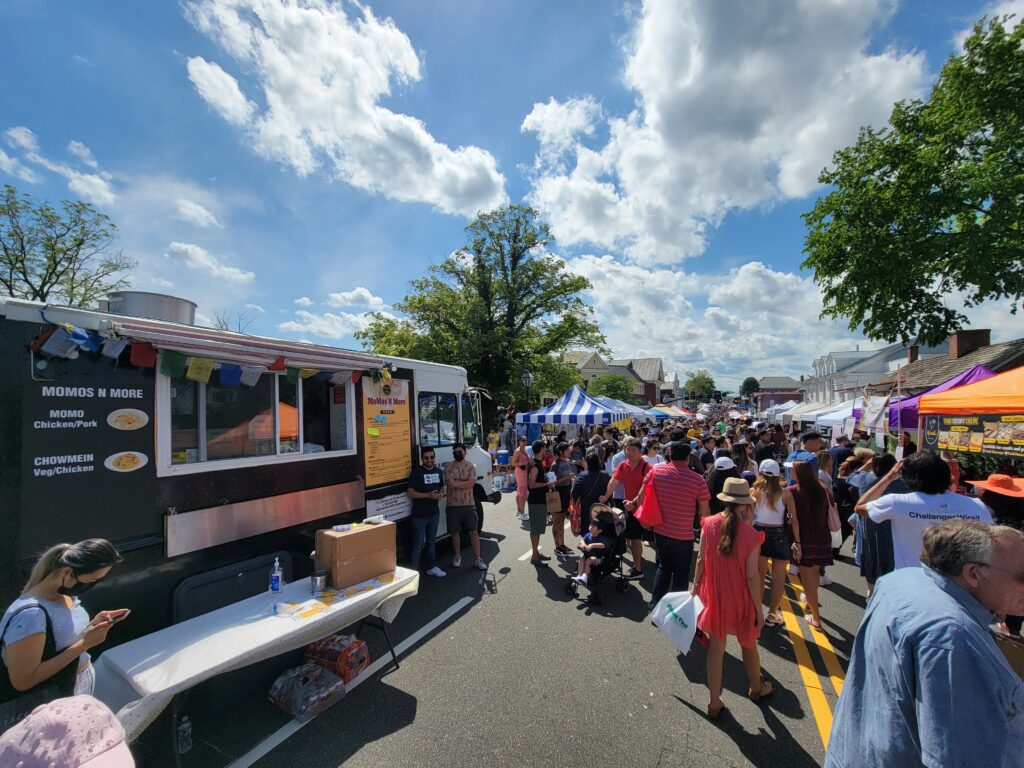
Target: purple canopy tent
[(904, 412)]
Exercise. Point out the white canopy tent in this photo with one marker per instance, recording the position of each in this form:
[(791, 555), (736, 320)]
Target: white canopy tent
[(834, 418)]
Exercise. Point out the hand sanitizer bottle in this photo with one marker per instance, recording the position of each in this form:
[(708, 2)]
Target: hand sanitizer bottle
[(276, 576)]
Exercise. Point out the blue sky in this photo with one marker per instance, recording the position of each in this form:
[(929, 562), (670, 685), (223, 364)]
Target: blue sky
[(258, 152)]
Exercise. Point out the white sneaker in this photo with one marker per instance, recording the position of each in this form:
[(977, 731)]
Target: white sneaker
[(457, 561), (825, 581), (479, 564), (580, 579), (435, 571)]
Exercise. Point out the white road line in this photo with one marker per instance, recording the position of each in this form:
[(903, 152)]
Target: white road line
[(292, 727), (527, 556)]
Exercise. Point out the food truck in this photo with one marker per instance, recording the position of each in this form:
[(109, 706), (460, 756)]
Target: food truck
[(204, 454)]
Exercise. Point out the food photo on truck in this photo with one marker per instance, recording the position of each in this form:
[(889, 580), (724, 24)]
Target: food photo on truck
[(206, 455)]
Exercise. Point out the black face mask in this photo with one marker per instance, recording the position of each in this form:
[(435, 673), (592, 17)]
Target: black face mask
[(459, 455), (77, 589)]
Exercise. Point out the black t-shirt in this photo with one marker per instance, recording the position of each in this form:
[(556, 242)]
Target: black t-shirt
[(764, 451), (423, 481)]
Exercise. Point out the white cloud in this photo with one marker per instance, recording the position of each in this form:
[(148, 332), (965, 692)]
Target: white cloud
[(323, 76), (358, 297), (201, 260), (256, 308), (728, 323), (993, 11), (83, 153), (194, 213), (739, 105), (20, 137), (220, 90), (13, 167), (304, 301), (558, 126), (93, 187), (329, 325)]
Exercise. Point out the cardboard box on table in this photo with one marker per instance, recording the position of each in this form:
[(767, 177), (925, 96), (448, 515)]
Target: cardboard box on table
[(363, 553)]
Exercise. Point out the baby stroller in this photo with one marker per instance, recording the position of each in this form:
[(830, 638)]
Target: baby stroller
[(612, 562)]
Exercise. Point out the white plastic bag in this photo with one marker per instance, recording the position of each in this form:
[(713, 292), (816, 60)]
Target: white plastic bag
[(676, 615)]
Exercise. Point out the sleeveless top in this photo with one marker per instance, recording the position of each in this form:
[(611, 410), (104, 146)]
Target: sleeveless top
[(537, 495), (765, 514)]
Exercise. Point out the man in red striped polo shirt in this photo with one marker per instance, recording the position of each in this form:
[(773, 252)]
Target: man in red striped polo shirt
[(682, 495)]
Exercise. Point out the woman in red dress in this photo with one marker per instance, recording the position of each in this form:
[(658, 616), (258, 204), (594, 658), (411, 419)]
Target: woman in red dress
[(726, 581)]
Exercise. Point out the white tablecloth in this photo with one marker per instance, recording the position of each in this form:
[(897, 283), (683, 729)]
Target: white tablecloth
[(137, 680)]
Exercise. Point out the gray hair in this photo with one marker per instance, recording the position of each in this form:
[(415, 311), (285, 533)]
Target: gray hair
[(951, 545)]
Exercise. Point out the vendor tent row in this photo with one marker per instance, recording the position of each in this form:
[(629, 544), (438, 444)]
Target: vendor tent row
[(577, 406)]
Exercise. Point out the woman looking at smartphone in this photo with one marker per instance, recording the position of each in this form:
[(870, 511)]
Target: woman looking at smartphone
[(45, 634)]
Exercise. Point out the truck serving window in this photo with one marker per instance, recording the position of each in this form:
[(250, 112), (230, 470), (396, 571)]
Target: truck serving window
[(211, 426), (438, 419)]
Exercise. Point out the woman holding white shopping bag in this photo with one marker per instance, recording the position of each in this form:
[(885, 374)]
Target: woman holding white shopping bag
[(727, 582)]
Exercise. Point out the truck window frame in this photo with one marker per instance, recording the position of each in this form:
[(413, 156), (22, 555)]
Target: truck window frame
[(162, 412), (419, 423)]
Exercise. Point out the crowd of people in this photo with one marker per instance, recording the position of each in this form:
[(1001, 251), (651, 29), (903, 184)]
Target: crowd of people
[(754, 500), (757, 500)]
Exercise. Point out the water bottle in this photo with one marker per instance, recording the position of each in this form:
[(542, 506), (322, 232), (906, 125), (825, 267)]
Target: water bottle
[(184, 735), (276, 576)]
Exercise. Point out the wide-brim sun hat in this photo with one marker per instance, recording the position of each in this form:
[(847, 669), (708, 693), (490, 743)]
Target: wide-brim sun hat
[(736, 491), (770, 467), (74, 732), (1001, 484)]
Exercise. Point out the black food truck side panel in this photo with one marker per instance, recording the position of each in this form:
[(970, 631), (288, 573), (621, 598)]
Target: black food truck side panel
[(127, 507)]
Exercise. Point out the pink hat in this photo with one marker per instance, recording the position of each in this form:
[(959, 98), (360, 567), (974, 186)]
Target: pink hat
[(77, 732)]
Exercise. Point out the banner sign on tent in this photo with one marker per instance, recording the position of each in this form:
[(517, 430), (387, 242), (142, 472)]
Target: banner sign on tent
[(996, 435), (875, 412)]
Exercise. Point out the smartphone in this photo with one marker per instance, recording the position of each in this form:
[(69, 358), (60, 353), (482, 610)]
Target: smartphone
[(119, 616)]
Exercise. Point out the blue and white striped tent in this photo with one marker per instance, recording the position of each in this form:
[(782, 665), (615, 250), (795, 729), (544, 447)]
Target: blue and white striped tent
[(574, 407), (617, 405)]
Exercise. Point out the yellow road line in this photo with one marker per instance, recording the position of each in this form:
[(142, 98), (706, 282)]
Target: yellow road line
[(815, 690), (835, 670)]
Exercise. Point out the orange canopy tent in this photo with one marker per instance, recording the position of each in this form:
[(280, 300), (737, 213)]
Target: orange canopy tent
[(1002, 393)]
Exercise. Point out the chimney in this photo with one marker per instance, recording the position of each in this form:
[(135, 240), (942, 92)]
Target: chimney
[(964, 342), (912, 353)]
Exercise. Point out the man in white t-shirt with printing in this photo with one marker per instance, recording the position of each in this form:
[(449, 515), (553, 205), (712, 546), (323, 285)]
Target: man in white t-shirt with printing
[(928, 503)]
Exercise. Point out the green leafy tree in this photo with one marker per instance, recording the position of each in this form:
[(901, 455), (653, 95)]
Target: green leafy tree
[(924, 218), (699, 384), (613, 385), (66, 256), (749, 386), (498, 307)]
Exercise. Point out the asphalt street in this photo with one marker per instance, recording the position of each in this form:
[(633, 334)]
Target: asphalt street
[(525, 675)]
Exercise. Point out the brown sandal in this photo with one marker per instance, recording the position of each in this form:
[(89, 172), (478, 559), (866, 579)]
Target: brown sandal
[(764, 693), (714, 714)]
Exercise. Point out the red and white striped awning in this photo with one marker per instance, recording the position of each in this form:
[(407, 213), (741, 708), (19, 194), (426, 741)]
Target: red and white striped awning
[(242, 348)]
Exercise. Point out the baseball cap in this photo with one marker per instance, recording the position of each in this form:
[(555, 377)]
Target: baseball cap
[(724, 462), (75, 732), (769, 467)]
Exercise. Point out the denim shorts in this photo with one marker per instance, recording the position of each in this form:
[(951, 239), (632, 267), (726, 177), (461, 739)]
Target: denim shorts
[(778, 542)]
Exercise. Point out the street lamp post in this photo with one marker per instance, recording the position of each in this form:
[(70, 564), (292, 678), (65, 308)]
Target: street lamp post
[(527, 379)]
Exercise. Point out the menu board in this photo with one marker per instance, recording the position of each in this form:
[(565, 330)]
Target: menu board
[(996, 435), (87, 443), (387, 431)]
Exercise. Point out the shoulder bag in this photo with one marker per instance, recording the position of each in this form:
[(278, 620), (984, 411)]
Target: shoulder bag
[(16, 705)]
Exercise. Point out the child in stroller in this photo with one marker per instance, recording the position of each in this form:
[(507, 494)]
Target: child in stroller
[(602, 548)]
